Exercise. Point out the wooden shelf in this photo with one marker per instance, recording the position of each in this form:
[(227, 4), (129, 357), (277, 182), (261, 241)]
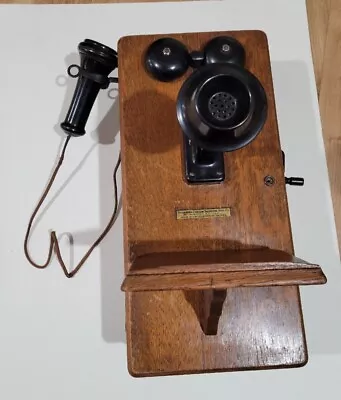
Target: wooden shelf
[(219, 270)]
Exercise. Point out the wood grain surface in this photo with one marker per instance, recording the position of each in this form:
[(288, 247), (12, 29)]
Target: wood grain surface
[(325, 33), (330, 106), (245, 336), (164, 335), (222, 280), (318, 15), (185, 270), (217, 261), (152, 165)]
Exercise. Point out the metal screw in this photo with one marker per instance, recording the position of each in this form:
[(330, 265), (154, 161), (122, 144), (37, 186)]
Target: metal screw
[(269, 180), (166, 51), (225, 48)]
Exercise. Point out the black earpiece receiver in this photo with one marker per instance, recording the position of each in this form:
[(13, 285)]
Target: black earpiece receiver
[(167, 59), (97, 61)]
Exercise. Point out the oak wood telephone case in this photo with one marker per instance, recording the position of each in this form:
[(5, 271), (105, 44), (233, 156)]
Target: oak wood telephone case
[(211, 278)]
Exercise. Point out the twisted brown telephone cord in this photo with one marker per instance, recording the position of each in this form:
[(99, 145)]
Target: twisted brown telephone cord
[(54, 245)]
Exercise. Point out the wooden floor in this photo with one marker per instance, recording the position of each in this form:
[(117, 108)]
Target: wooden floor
[(325, 32)]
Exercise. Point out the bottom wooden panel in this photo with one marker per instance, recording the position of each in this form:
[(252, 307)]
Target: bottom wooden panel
[(259, 328)]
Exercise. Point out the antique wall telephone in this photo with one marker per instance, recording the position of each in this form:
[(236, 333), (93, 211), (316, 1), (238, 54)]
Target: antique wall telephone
[(211, 280)]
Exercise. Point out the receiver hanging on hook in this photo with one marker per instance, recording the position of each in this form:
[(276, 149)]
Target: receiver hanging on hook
[(97, 62)]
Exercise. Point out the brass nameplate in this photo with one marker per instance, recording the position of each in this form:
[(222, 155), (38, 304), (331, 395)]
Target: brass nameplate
[(204, 213)]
